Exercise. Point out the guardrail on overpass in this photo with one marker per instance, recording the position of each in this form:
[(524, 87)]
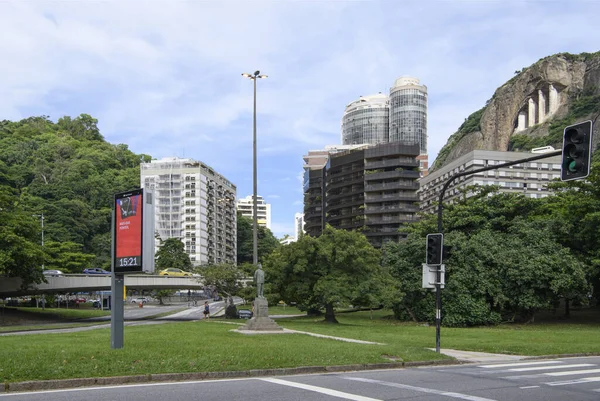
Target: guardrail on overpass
[(69, 283)]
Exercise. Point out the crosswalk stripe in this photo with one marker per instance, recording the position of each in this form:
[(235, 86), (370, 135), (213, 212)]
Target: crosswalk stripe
[(577, 365), (577, 381), (508, 365), (461, 396), (322, 390), (573, 372)]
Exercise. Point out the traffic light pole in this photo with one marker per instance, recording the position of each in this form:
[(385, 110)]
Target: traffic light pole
[(438, 288)]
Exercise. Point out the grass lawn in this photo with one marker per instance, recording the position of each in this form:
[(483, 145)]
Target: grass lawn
[(211, 346), (545, 338)]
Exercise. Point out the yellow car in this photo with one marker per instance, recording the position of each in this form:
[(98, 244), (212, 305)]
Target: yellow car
[(175, 273)]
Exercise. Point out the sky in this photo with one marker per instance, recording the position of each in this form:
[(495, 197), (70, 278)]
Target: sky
[(164, 77)]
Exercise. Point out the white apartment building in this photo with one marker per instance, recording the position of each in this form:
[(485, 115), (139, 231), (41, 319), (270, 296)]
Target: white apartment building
[(195, 204), (298, 225), (245, 207), (530, 179)]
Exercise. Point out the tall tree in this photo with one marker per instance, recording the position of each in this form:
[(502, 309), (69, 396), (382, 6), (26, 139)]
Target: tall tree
[(245, 240), (21, 253), (172, 255), (225, 278), (336, 269)]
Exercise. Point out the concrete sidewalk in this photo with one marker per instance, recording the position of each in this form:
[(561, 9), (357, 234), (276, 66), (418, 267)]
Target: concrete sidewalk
[(479, 357)]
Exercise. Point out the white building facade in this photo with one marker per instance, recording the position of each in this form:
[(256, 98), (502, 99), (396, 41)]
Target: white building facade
[(194, 204), (298, 225), (245, 207), (530, 179)]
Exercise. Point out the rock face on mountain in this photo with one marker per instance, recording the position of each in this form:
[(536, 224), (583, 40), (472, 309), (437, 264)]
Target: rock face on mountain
[(563, 88)]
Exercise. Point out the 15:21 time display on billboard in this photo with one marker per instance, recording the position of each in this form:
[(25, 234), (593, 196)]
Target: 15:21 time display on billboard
[(128, 232)]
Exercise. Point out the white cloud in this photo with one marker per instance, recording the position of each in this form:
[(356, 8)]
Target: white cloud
[(165, 77)]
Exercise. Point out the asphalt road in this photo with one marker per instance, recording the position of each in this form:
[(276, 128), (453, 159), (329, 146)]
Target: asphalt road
[(572, 379)]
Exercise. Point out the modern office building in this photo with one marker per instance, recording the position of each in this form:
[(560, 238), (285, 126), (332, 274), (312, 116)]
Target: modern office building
[(399, 117), (530, 179), (408, 113), (372, 189), (194, 204), (314, 186), (366, 121), (245, 207)]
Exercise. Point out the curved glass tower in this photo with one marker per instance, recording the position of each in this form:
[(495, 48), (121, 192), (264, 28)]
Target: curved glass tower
[(408, 112), (366, 121)]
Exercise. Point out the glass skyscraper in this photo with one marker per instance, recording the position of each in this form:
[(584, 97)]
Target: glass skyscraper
[(408, 113), (366, 121), (401, 117)]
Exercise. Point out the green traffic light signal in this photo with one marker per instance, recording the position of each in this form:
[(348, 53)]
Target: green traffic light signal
[(576, 155)]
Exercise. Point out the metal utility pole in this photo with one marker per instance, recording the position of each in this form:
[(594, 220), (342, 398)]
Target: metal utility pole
[(254, 77)]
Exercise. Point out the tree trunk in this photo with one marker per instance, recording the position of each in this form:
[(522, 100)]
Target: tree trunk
[(567, 308), (313, 312), (409, 311), (329, 314)]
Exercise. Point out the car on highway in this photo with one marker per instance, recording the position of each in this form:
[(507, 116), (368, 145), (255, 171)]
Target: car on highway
[(140, 300), (245, 314), (175, 272), (53, 273), (95, 270)]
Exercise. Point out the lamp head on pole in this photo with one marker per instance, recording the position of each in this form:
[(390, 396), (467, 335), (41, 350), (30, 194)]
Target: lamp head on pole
[(254, 76)]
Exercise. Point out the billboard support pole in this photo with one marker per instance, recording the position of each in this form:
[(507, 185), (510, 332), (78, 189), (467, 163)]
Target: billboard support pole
[(117, 315)]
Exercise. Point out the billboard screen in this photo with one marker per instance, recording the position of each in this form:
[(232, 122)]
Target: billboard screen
[(129, 214)]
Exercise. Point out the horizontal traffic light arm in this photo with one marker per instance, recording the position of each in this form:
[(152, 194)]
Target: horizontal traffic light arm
[(451, 179)]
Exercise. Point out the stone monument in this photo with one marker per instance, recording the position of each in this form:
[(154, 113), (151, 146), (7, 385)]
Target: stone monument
[(261, 320)]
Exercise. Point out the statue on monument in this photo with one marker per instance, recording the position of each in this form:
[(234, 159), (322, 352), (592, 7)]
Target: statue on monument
[(259, 278)]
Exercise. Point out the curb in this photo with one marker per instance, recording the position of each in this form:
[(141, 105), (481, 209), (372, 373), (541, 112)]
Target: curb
[(166, 377), (197, 376)]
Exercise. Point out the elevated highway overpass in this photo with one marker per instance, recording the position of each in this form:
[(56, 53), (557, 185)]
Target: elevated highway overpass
[(70, 283)]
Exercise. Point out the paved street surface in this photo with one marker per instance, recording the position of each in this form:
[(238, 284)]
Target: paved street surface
[(572, 379)]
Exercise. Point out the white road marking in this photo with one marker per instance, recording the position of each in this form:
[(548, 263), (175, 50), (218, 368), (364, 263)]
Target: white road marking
[(572, 372), (578, 381), (526, 387), (508, 365), (120, 386), (577, 365), (322, 390), (420, 389)]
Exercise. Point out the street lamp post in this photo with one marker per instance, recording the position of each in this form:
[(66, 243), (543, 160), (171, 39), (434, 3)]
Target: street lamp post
[(254, 78), (41, 216)]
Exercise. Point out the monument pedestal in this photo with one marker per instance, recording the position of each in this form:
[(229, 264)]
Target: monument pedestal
[(261, 320)]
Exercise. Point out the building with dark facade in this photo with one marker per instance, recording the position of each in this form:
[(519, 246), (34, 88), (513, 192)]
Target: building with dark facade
[(372, 189)]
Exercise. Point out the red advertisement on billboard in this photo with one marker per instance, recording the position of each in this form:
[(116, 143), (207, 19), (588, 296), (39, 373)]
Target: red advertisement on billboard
[(128, 231)]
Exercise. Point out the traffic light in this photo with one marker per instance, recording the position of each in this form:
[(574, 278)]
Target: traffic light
[(576, 151), (435, 244)]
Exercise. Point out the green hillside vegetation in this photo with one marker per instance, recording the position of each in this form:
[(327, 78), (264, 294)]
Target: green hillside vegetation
[(471, 124), (581, 105), (69, 173)]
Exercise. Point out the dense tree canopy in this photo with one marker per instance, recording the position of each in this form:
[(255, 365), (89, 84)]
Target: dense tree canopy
[(171, 254), (245, 241), (337, 269), (507, 262), (69, 173)]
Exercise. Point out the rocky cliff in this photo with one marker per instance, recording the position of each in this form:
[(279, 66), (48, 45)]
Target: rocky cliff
[(532, 108)]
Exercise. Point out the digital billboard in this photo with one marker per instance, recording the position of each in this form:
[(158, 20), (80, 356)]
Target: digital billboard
[(128, 231)]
